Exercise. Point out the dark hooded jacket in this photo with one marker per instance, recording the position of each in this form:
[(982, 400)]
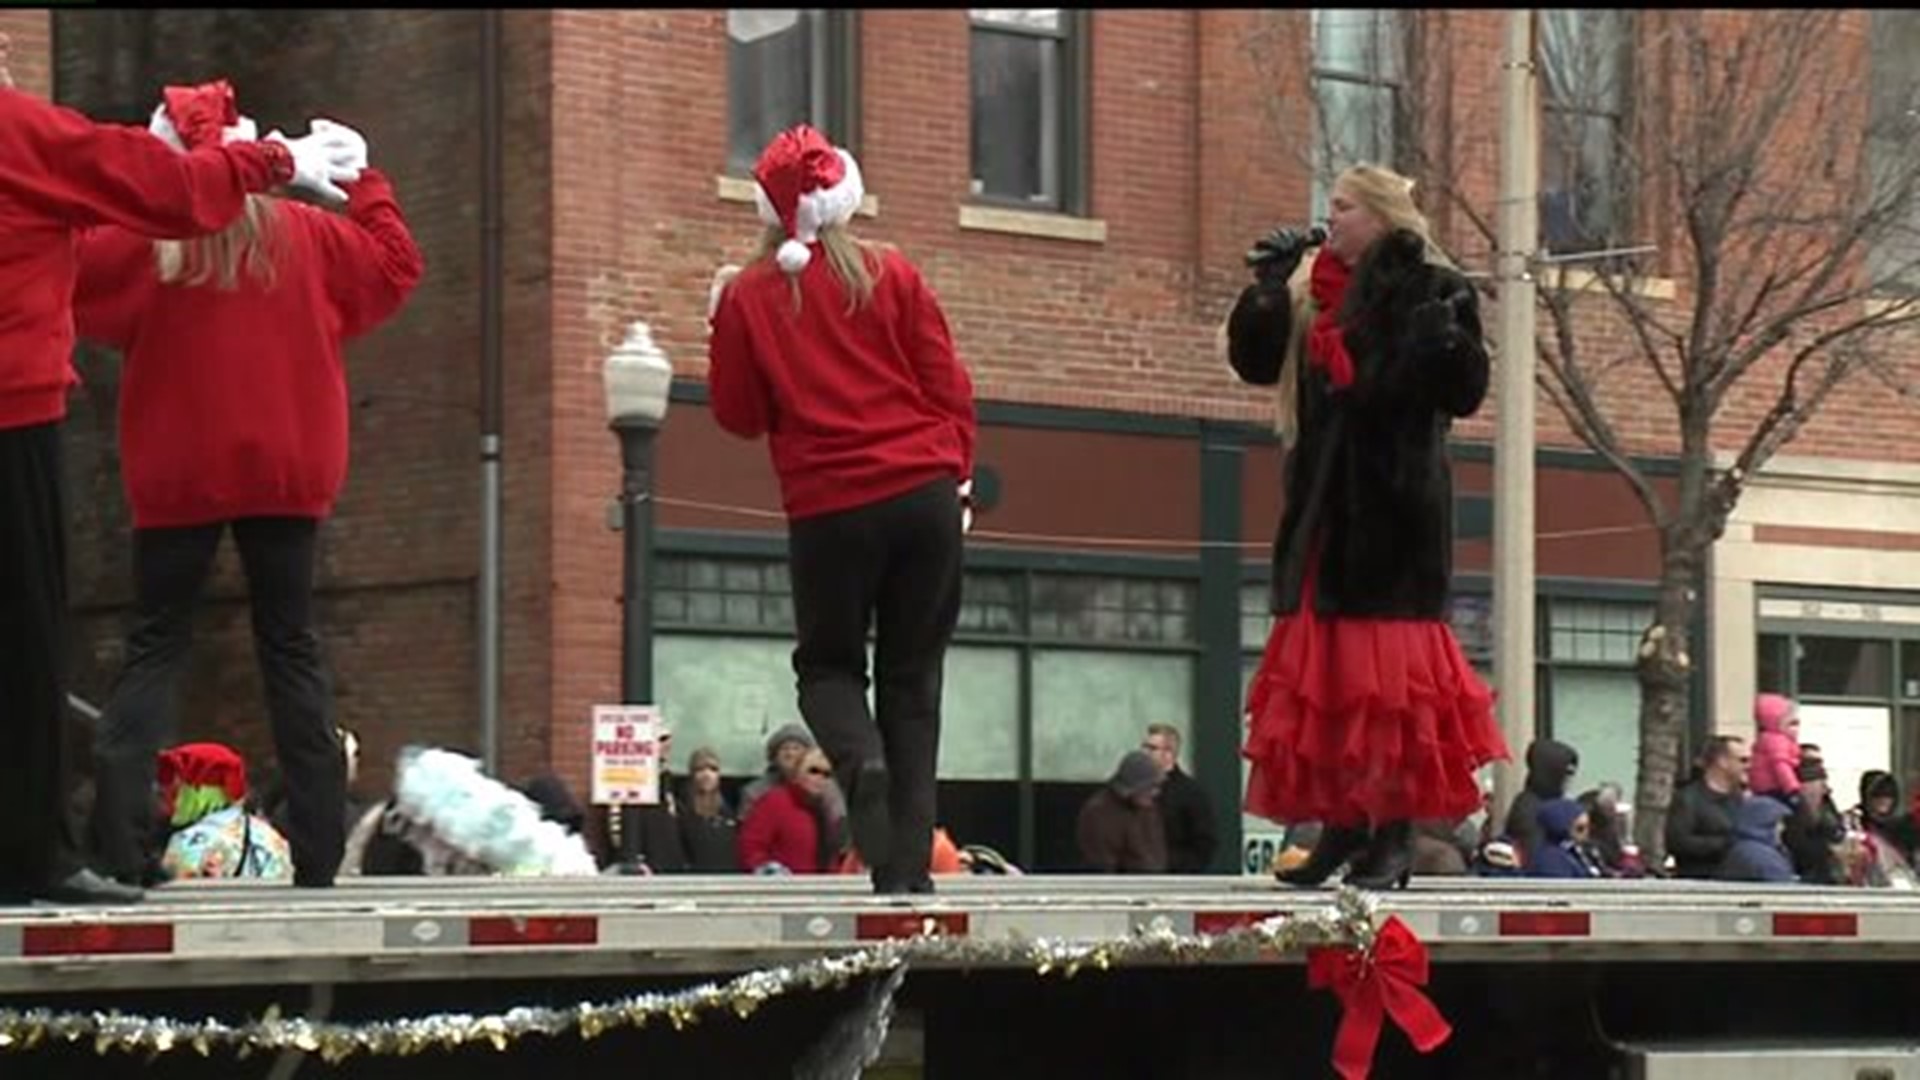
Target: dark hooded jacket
[(1756, 854), (1550, 768), (1559, 854)]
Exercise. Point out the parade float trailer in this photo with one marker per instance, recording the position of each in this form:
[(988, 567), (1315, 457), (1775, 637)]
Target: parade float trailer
[(1050, 976)]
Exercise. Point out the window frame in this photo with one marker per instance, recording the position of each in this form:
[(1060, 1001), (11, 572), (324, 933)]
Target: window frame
[(1395, 34), (1074, 123), (838, 51), (1624, 186)]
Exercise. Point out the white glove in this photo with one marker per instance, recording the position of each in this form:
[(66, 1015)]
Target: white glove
[(321, 162), (721, 279), (966, 506), (352, 144)]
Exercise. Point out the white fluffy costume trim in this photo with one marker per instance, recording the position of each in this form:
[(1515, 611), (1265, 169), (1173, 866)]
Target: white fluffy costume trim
[(484, 819)]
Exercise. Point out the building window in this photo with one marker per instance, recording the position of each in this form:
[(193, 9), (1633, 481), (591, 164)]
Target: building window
[(1593, 694), (1072, 607), (736, 594), (1893, 132), (785, 66), (991, 604), (1051, 678), (1029, 131), (1358, 61), (1585, 62)]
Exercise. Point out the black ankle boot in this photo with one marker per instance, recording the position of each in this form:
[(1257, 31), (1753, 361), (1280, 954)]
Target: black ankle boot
[(1388, 862), (1337, 845)]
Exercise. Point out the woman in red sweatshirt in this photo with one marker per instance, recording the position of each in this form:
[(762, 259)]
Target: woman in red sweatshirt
[(838, 353), (61, 173), (233, 414)]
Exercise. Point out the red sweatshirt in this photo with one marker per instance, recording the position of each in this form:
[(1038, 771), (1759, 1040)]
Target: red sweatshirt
[(781, 828), (233, 403), (61, 172), (856, 407)]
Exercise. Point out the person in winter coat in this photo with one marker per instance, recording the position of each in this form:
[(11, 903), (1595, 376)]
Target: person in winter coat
[(1776, 748), (1886, 836), (1120, 829), (783, 831), (60, 174), (786, 747), (1700, 820), (708, 828), (1563, 851), (1550, 770), (233, 416), (1815, 829), (1756, 853), (1602, 805), (1364, 714), (837, 351), (1186, 812)]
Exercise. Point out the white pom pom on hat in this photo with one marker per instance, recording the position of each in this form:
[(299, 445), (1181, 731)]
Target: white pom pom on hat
[(805, 184), (793, 256)]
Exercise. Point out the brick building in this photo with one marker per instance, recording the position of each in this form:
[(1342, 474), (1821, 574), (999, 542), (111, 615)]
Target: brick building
[(1078, 188)]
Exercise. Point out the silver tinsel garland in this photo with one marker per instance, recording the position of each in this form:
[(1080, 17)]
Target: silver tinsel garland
[(1348, 921)]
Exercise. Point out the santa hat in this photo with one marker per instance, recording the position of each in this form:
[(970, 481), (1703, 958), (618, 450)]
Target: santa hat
[(806, 184), (190, 117), (199, 778)]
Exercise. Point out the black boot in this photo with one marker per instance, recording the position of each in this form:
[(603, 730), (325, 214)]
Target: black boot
[(1388, 862), (1337, 845)]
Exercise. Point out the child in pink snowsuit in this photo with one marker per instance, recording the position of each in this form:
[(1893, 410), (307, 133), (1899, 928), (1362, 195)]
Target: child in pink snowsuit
[(1776, 748)]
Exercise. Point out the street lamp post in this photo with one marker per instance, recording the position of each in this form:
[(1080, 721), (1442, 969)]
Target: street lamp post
[(638, 377)]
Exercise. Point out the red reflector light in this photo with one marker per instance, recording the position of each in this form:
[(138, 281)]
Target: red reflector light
[(908, 924), (1546, 924), (551, 930), (1837, 924), (97, 940), (1222, 922)]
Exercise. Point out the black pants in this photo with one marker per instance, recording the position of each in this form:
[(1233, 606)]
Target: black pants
[(170, 566), (37, 841), (893, 566)]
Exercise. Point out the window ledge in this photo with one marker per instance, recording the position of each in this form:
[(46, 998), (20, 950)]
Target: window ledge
[(740, 189), (1052, 226), (1653, 288)]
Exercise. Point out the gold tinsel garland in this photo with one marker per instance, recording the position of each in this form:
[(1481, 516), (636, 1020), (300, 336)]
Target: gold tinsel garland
[(1348, 921)]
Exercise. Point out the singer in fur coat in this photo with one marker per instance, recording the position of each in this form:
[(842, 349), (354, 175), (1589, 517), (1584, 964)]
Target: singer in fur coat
[(1364, 714)]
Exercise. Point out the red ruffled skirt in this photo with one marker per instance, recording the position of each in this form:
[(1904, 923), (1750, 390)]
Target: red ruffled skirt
[(1358, 720)]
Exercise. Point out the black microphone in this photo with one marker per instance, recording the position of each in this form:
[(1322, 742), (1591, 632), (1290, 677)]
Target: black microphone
[(1315, 236)]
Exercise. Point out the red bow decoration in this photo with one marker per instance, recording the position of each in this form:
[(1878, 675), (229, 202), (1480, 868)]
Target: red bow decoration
[(201, 114), (1373, 985)]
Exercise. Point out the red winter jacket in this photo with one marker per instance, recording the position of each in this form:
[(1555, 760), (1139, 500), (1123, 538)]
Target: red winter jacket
[(781, 829), (856, 407), (61, 172), (233, 403)]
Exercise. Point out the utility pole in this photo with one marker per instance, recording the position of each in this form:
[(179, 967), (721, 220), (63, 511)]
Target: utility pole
[(1513, 455)]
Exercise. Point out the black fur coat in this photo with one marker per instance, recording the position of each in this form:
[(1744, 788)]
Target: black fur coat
[(1367, 476)]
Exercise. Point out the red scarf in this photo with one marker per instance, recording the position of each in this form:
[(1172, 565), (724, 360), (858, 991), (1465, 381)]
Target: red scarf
[(1326, 347)]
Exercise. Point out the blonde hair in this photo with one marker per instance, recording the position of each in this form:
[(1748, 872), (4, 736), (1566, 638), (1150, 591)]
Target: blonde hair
[(251, 245), (854, 261), (1388, 196)]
